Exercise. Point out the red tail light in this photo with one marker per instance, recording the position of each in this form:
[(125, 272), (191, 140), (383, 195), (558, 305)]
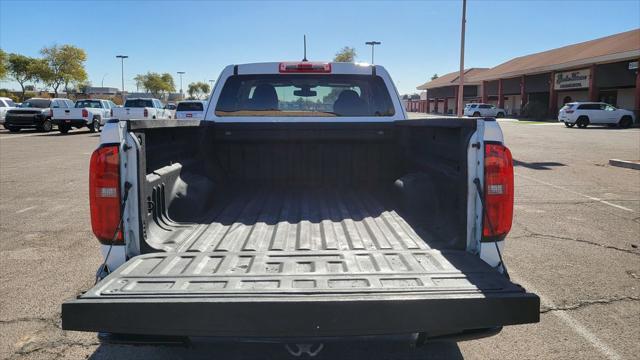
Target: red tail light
[(85, 113), (146, 112), (104, 193), (498, 192), (50, 112), (305, 67)]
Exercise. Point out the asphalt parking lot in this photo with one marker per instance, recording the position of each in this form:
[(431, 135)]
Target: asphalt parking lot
[(574, 242)]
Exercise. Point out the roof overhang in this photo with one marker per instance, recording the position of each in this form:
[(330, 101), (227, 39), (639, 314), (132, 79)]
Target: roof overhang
[(609, 58)]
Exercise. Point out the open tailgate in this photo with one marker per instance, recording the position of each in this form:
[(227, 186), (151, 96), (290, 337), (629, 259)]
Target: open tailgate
[(315, 293)]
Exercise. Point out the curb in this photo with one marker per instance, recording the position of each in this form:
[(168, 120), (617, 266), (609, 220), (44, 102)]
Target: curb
[(625, 164)]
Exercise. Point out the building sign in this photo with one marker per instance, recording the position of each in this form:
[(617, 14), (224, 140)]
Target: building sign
[(575, 79)]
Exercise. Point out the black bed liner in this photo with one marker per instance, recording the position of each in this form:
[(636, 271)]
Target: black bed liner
[(278, 262)]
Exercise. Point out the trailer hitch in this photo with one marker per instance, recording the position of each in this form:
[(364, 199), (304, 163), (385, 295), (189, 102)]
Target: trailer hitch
[(298, 350)]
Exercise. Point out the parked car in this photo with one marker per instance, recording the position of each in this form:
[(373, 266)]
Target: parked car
[(190, 110), (90, 113), (483, 110), (584, 114), (142, 108), (35, 113), (302, 216), (6, 104), (172, 107)]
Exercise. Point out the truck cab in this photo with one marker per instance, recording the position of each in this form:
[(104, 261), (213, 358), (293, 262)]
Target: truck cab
[(304, 204)]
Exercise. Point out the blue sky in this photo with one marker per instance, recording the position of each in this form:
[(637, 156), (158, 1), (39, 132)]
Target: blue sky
[(419, 38)]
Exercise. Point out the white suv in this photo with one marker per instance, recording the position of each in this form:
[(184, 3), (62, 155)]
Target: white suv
[(483, 110), (588, 113)]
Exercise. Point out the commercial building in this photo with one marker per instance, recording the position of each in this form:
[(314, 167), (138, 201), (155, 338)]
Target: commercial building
[(604, 69)]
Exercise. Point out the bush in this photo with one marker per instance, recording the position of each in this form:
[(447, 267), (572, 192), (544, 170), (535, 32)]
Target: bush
[(534, 110)]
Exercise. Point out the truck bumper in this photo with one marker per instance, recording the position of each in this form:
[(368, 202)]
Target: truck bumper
[(76, 123)]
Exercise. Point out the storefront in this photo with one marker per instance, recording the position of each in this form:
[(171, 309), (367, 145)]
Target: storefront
[(604, 69)]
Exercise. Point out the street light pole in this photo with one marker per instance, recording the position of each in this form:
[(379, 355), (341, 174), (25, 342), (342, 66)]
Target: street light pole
[(122, 57), (181, 73), (102, 82), (461, 75), (373, 45)]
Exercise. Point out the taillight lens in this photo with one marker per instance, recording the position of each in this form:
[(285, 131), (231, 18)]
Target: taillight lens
[(498, 192), (146, 112), (104, 193), (85, 113), (50, 112)]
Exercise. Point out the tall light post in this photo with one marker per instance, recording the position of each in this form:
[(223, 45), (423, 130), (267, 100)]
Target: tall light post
[(461, 75), (373, 45), (122, 57), (181, 73), (102, 82)]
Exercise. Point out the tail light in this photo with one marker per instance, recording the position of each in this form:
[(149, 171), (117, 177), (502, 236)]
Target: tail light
[(104, 193), (146, 112), (305, 67), (50, 112), (498, 192), (85, 113)]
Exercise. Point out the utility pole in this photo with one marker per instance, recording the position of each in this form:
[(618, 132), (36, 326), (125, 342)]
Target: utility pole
[(181, 94), (461, 75), (373, 45), (122, 57)]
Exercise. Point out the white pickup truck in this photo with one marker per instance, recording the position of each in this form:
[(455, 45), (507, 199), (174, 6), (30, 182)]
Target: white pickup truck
[(90, 113), (304, 205), (141, 109)]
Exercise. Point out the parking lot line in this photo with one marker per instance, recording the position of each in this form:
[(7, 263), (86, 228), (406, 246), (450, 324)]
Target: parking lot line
[(576, 193), (17, 136), (26, 209), (574, 324)]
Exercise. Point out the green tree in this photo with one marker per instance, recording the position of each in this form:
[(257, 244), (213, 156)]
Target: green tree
[(198, 90), (139, 79), (346, 54), (3, 64), (435, 76), (155, 83), (22, 69), (66, 65)]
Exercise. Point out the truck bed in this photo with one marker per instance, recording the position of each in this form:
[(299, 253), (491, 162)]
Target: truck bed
[(303, 219)]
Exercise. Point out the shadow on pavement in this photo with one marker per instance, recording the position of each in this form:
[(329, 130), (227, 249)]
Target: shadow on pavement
[(544, 165), (370, 350)]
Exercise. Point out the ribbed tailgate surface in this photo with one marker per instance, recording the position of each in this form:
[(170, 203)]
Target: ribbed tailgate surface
[(323, 272)]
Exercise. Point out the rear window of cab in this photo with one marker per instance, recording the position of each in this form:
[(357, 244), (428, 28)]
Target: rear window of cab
[(190, 106), (304, 95)]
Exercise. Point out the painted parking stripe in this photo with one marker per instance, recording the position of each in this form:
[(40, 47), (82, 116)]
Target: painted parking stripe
[(26, 209), (574, 324), (17, 136), (577, 193)]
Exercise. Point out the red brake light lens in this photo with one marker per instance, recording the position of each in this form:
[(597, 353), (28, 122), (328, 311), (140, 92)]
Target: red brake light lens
[(498, 192), (146, 112), (85, 113), (104, 193), (305, 67)]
